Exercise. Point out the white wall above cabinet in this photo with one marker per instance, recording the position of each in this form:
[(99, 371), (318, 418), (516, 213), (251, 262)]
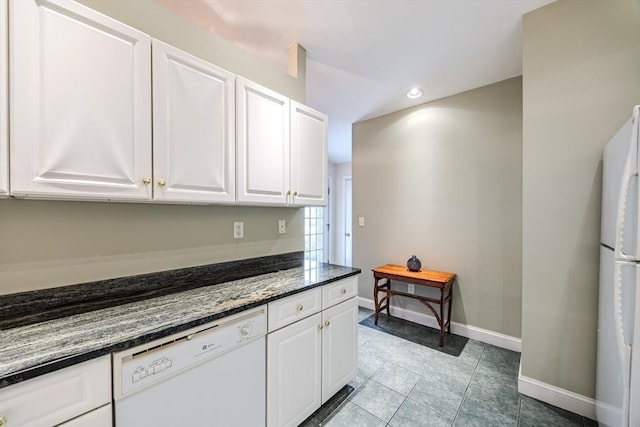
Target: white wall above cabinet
[(262, 144), (81, 107), (193, 128), (4, 118)]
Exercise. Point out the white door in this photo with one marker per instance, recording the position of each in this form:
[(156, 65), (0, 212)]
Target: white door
[(4, 117), (193, 128), (339, 347), (348, 231), (294, 372), (80, 102), (308, 156), (262, 167)]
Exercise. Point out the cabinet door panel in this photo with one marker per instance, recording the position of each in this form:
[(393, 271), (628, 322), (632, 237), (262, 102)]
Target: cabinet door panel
[(194, 132), (308, 156), (263, 144), (81, 109), (293, 372), (339, 347)]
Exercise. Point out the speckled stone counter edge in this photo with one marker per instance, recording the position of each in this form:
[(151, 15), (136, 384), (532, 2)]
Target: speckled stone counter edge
[(26, 308), (255, 291)]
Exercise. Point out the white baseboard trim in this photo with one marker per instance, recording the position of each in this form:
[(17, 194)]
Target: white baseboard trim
[(468, 331), (556, 396)]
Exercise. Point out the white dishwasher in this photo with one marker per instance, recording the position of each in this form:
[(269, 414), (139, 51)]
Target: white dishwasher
[(209, 376)]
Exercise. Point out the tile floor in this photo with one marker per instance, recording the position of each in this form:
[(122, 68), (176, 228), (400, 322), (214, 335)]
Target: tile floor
[(405, 379)]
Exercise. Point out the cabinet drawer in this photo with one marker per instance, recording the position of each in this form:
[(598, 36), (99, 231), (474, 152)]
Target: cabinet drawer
[(54, 398), (100, 417), (296, 307), (339, 291)]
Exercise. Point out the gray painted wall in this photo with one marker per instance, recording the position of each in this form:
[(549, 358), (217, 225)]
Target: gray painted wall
[(443, 181), (50, 243), (581, 68)]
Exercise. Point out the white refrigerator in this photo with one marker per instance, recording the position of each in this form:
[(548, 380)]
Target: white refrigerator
[(618, 367)]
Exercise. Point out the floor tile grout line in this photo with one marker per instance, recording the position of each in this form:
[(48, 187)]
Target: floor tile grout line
[(466, 390), (519, 409), (374, 415)]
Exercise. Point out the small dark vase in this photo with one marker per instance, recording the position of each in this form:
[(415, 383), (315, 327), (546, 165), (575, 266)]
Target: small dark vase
[(414, 264)]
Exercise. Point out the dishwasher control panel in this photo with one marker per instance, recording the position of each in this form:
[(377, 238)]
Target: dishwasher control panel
[(138, 367)]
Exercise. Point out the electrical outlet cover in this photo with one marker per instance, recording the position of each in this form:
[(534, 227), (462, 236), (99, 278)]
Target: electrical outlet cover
[(238, 230)]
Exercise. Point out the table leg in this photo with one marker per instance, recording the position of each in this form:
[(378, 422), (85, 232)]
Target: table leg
[(449, 309), (388, 297), (375, 299), (442, 317)]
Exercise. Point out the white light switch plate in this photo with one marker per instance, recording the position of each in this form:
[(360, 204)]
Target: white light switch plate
[(361, 221)]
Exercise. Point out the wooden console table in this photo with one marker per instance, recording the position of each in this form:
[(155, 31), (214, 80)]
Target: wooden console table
[(434, 279)]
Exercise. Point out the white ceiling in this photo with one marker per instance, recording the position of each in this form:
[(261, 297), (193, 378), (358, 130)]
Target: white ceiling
[(363, 55)]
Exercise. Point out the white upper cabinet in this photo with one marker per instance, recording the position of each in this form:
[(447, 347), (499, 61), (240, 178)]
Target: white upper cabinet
[(193, 128), (282, 149), (262, 145), (308, 156), (80, 104), (4, 118)]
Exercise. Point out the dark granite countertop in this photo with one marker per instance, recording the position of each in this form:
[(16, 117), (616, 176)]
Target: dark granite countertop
[(76, 334)]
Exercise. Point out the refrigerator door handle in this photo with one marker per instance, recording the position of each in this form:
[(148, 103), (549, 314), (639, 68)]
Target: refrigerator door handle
[(627, 176), (625, 349)]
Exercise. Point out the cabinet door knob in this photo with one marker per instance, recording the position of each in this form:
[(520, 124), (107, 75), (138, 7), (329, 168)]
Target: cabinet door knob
[(300, 307), (327, 323), (289, 193), (146, 180), (343, 291), (3, 421), (320, 326), (162, 182)]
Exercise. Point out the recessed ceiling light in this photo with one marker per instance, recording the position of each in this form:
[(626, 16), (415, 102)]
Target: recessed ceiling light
[(414, 93)]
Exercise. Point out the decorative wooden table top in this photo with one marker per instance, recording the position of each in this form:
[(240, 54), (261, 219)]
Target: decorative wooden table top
[(402, 273)]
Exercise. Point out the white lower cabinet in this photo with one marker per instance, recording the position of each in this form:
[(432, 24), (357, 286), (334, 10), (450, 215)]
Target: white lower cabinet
[(67, 395), (309, 360), (294, 367), (339, 347)]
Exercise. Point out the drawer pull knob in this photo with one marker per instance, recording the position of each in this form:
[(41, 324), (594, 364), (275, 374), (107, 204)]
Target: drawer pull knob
[(300, 307), (162, 182), (3, 421), (327, 323), (343, 291), (146, 180)]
